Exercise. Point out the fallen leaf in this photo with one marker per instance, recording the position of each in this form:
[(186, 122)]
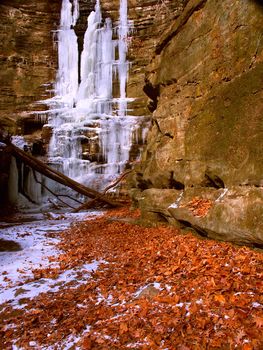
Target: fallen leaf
[(220, 298), (259, 321)]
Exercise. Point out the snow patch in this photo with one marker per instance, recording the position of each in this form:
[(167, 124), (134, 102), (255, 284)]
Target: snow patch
[(19, 141), (32, 289), (177, 202), (199, 301), (38, 242), (221, 195), (256, 305), (143, 289)]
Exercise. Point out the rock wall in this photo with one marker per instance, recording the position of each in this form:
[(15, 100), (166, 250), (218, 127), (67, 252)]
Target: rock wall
[(27, 60), (150, 19), (205, 144)]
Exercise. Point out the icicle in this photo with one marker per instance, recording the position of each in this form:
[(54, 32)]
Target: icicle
[(33, 188), (75, 15), (87, 88), (13, 182), (105, 62)]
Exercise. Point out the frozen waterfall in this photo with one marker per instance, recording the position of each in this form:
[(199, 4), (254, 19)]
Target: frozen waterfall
[(91, 131)]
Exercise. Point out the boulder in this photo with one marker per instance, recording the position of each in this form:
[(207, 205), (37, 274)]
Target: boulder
[(233, 214)]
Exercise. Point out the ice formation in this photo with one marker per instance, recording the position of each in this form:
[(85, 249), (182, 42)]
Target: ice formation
[(91, 131)]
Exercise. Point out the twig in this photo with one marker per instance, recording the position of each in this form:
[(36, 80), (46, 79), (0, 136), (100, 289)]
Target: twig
[(87, 205), (53, 193)]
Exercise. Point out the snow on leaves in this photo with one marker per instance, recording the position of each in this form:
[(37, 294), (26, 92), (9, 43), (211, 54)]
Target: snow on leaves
[(155, 289)]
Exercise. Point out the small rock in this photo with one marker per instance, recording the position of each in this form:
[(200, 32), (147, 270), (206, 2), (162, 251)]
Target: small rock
[(149, 292)]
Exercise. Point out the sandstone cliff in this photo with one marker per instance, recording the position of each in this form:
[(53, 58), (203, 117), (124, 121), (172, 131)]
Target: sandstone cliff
[(205, 143), (27, 60)]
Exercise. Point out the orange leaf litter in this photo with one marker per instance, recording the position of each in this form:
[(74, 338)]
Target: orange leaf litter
[(155, 288)]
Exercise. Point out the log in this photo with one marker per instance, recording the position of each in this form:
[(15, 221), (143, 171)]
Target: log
[(57, 176)]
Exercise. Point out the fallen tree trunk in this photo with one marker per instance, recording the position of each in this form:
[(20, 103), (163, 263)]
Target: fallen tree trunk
[(55, 175)]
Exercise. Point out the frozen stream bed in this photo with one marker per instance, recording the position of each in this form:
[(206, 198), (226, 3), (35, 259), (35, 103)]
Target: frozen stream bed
[(38, 242)]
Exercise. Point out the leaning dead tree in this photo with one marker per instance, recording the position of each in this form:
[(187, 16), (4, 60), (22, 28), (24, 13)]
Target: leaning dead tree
[(89, 204), (57, 176)]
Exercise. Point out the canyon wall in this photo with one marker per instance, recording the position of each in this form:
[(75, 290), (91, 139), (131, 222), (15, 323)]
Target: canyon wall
[(28, 61), (28, 53), (202, 166), (196, 71)]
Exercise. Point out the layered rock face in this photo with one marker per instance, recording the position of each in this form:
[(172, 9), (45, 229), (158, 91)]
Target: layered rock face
[(205, 81), (27, 59)]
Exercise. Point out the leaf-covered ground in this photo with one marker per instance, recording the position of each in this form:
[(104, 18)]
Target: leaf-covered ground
[(155, 288)]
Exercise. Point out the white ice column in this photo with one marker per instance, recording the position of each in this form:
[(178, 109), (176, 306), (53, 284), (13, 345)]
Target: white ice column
[(66, 86), (105, 61)]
